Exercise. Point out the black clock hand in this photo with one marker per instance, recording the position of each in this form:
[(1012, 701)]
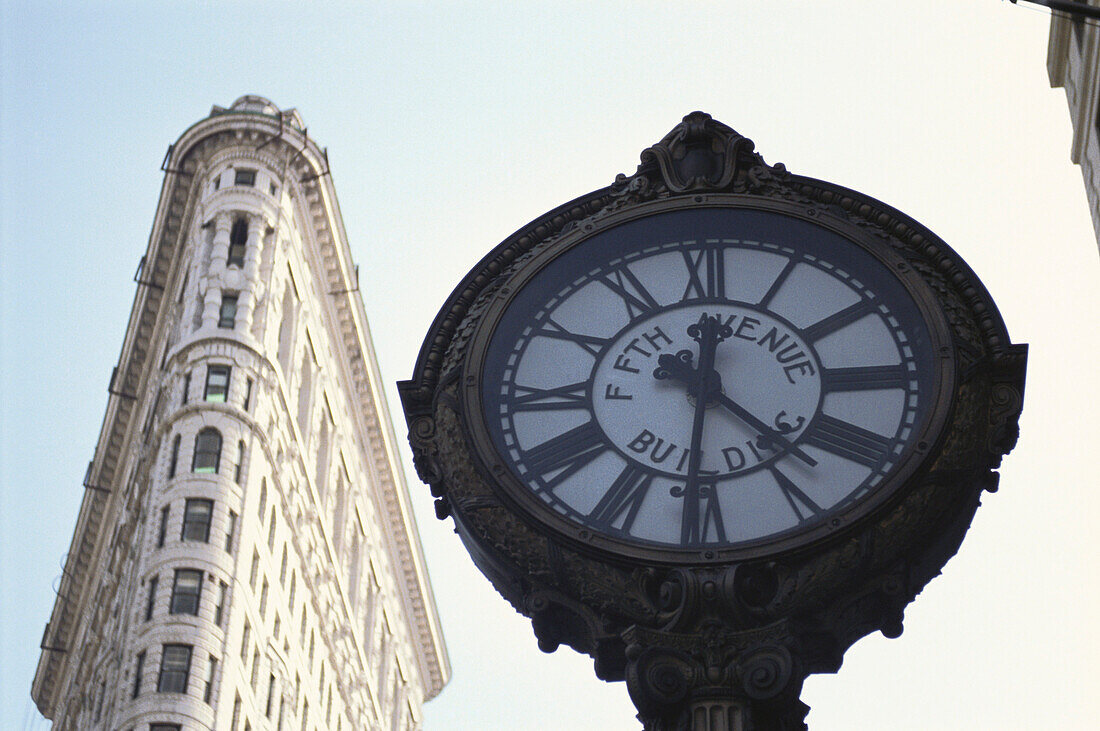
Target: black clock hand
[(678, 367), (689, 521), (708, 332), (767, 432)]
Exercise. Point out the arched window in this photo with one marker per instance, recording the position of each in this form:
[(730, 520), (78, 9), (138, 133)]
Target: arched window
[(238, 239), (208, 450)]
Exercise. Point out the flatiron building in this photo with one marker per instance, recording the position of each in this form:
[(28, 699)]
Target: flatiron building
[(245, 555)]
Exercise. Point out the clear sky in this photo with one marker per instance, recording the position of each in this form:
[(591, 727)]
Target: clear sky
[(450, 125)]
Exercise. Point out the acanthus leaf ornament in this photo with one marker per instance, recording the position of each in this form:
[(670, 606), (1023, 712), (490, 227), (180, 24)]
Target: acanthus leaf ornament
[(714, 423), (701, 154)]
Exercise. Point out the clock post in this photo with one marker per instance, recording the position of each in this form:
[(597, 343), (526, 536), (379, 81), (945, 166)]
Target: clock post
[(713, 423)]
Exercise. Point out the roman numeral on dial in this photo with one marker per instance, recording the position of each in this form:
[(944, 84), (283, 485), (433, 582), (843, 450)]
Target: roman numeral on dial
[(567, 452), (847, 440), (626, 495), (801, 504), (706, 272), (778, 283), (590, 343), (865, 378), (573, 396), (635, 296), (837, 320), (701, 521)]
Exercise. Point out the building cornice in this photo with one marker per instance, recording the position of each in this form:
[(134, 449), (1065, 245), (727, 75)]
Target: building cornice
[(1058, 48)]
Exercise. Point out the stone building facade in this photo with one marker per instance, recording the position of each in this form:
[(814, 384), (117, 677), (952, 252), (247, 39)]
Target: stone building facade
[(245, 556), (1073, 62)]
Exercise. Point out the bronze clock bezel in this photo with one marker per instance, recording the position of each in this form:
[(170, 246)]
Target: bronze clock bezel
[(521, 500)]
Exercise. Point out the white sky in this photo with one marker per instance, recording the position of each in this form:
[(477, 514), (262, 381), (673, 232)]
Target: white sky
[(449, 126)]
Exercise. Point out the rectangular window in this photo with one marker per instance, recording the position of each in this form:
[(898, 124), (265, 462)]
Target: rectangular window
[(227, 314), (219, 610), (282, 568), (99, 703), (174, 461), (230, 530), (186, 591), (244, 176), (244, 640), (139, 666), (163, 526), (247, 394), (208, 693), (186, 388), (270, 695), (238, 243), (152, 412), (217, 383), (273, 189), (240, 462), (263, 600), (236, 720), (254, 571), (196, 520), (271, 530), (152, 598), (175, 666), (255, 670), (263, 499), (164, 727)]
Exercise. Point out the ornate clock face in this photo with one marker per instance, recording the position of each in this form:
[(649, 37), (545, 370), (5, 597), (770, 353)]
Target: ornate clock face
[(708, 377)]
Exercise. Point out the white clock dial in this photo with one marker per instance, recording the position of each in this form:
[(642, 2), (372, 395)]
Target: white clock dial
[(709, 391)]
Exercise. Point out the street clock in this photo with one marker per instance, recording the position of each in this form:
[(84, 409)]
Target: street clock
[(713, 423)]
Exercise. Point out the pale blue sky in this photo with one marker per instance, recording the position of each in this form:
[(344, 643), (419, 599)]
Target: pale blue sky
[(449, 125)]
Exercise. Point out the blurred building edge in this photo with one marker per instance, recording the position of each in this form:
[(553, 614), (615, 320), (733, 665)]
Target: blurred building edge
[(1073, 62), (245, 555)]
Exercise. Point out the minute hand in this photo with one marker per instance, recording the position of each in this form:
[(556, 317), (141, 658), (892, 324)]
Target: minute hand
[(744, 415)]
